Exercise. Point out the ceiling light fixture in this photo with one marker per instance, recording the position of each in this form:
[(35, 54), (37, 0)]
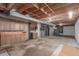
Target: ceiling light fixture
[(61, 24), (50, 20), (70, 14)]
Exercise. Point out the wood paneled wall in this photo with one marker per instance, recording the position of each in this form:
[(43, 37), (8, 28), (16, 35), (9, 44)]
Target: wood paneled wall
[(10, 25), (12, 32), (11, 38)]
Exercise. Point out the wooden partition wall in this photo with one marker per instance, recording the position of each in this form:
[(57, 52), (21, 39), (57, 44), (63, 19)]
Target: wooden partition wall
[(11, 38)]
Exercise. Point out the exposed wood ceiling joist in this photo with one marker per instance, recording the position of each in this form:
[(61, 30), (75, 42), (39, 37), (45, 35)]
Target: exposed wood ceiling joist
[(35, 5), (44, 10), (30, 13), (10, 6), (49, 8), (2, 6)]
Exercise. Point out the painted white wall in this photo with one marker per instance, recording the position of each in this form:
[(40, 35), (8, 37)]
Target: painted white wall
[(77, 30), (69, 30)]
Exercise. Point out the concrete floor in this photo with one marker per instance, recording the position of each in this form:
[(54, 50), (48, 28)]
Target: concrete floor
[(54, 41), (43, 46)]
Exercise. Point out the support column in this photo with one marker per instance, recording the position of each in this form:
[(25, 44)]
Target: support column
[(39, 29), (51, 31), (48, 30), (28, 31), (77, 31)]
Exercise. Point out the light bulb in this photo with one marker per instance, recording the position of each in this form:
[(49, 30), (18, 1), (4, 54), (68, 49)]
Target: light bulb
[(70, 14)]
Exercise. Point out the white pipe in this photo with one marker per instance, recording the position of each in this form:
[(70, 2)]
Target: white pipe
[(14, 13)]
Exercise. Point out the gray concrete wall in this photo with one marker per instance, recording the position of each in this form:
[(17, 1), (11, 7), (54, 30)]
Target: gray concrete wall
[(69, 30)]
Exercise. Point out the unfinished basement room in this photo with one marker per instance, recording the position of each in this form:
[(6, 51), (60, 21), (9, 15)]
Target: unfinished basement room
[(39, 29)]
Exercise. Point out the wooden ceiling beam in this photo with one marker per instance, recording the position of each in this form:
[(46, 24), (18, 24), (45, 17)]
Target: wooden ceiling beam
[(65, 13), (10, 6), (49, 8), (38, 9), (18, 6), (61, 14), (68, 7), (32, 14), (2, 6), (59, 5), (35, 5), (26, 6)]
